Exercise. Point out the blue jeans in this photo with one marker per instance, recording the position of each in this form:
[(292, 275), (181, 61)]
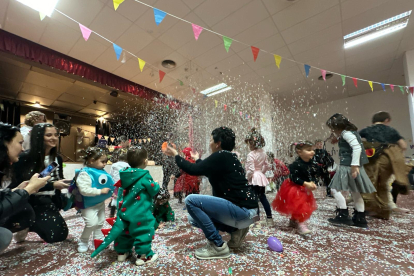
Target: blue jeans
[(213, 214)]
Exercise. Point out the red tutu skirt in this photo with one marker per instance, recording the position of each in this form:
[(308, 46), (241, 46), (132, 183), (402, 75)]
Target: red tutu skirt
[(294, 201)]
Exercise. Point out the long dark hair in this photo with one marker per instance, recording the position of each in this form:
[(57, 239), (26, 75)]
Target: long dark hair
[(36, 154), (7, 134), (340, 122)]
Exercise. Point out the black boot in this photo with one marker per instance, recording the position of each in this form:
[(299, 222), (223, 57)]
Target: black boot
[(359, 220), (342, 217)]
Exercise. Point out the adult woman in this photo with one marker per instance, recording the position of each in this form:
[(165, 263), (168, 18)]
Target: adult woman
[(15, 212), (32, 118), (49, 224), (233, 206)]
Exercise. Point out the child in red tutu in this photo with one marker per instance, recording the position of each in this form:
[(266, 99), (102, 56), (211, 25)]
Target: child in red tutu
[(190, 184), (295, 198)]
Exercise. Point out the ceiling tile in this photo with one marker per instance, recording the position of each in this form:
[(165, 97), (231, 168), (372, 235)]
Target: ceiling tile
[(40, 91), (214, 11), (13, 71), (59, 37), (147, 23), (301, 11), (178, 35), (195, 48), (67, 106), (47, 81), (88, 51), (258, 32), (175, 7), (92, 111), (247, 16), (192, 4), (134, 39), (10, 85), (276, 6), (153, 51), (33, 99), (312, 25), (212, 56), (148, 75), (353, 8), (372, 50), (3, 9), (130, 9), (102, 107), (271, 44), (70, 98), (175, 56), (80, 10), (110, 24), (128, 69), (317, 56), (225, 65), (156, 85), (108, 62)]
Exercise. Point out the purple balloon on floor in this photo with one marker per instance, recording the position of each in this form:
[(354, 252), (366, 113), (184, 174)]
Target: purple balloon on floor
[(275, 244)]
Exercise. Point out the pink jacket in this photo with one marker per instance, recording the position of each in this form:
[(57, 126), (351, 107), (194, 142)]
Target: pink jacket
[(256, 166)]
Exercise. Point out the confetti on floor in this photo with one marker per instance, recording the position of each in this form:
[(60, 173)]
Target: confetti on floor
[(385, 248)]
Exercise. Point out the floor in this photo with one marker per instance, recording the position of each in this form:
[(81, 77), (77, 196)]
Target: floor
[(385, 248)]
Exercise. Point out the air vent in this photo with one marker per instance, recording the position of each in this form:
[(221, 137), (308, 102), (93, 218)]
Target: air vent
[(169, 64)]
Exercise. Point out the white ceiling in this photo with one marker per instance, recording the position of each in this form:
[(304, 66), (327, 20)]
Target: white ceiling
[(308, 31)]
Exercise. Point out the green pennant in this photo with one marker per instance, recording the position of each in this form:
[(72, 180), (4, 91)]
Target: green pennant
[(168, 107), (227, 42), (181, 82), (234, 110), (401, 89), (343, 80)]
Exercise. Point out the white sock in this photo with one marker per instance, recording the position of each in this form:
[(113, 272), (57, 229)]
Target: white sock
[(358, 201), (340, 200)]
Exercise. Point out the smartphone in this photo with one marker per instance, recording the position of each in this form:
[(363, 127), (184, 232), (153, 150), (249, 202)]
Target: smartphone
[(49, 169)]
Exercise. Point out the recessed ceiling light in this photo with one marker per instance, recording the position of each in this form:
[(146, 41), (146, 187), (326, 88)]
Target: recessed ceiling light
[(379, 29), (43, 6), (219, 91), (328, 76), (169, 64), (213, 88)]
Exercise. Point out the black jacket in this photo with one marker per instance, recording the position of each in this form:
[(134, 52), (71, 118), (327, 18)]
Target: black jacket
[(11, 201)]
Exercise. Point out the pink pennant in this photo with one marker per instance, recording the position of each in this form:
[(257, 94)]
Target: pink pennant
[(197, 31), (392, 87), (255, 52), (355, 82), (323, 74), (240, 113), (85, 32)]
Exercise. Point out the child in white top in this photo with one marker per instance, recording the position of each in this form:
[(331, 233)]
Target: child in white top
[(114, 172)]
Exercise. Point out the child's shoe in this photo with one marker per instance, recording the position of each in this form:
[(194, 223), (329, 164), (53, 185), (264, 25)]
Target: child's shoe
[(359, 219), (342, 217), (270, 222), (292, 223), (83, 246), (142, 260), (123, 256), (303, 229)]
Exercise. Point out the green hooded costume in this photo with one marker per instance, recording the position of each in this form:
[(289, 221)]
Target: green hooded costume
[(134, 225)]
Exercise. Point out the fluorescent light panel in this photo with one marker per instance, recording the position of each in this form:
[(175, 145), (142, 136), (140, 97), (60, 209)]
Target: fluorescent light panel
[(220, 91), (213, 88), (43, 6), (382, 28)]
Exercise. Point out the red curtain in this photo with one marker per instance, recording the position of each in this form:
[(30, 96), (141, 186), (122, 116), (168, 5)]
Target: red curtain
[(24, 48)]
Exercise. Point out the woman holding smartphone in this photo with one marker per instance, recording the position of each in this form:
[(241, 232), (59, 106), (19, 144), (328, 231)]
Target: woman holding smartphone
[(48, 201), (15, 211)]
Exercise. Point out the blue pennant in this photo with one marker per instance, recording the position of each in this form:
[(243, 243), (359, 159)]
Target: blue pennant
[(159, 16)]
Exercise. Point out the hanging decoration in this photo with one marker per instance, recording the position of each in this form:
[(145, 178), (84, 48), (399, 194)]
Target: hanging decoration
[(118, 51), (227, 42), (383, 86), (196, 30), (85, 32), (117, 3), (159, 16), (255, 52), (278, 59), (343, 80), (323, 74), (370, 85), (141, 64), (307, 69), (355, 82), (162, 74)]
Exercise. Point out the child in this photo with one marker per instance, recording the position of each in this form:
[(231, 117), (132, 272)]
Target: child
[(115, 168), (350, 176), (324, 160), (190, 184), (162, 209), (280, 172), (270, 173), (92, 186), (256, 165), (295, 197), (134, 225)]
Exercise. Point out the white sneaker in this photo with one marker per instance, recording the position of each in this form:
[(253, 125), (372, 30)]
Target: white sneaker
[(270, 222), (303, 229), (83, 247), (123, 257), (143, 260), (211, 251), (21, 235)]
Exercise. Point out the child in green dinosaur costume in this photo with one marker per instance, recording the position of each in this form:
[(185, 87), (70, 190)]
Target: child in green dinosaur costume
[(162, 209), (134, 225)]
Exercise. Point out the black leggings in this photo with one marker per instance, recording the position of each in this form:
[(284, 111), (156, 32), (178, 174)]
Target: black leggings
[(261, 193), (49, 224)]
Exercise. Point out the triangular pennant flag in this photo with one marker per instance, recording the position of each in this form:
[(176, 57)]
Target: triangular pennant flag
[(307, 68), (323, 74), (355, 82), (247, 116), (343, 80), (241, 113), (216, 102), (111, 221), (196, 30), (97, 243), (168, 107), (383, 86), (42, 16), (118, 184), (225, 107), (234, 110), (255, 52), (392, 87), (159, 16), (412, 90), (162, 74), (401, 89), (370, 85), (141, 64), (117, 3), (181, 82), (278, 59), (227, 42), (105, 231), (118, 51)]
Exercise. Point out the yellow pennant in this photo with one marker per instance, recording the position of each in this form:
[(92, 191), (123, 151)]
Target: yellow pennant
[(370, 85), (216, 102), (42, 16), (278, 59), (117, 3), (141, 64)]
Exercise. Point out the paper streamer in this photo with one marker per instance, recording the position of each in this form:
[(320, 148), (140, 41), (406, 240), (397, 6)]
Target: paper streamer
[(85, 32), (196, 30), (159, 16)]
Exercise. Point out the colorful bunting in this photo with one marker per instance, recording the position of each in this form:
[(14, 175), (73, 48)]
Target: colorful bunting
[(355, 82), (401, 89), (225, 107), (117, 3), (227, 42), (234, 110), (118, 51), (343, 80), (247, 116), (370, 85), (255, 52), (42, 16), (85, 32), (307, 68), (323, 74), (216, 102), (141, 64), (392, 87), (278, 59), (162, 74), (241, 113), (181, 82), (196, 30), (411, 90), (159, 15), (383, 86)]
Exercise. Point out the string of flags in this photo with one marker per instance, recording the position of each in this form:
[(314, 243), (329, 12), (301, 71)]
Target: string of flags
[(159, 16)]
